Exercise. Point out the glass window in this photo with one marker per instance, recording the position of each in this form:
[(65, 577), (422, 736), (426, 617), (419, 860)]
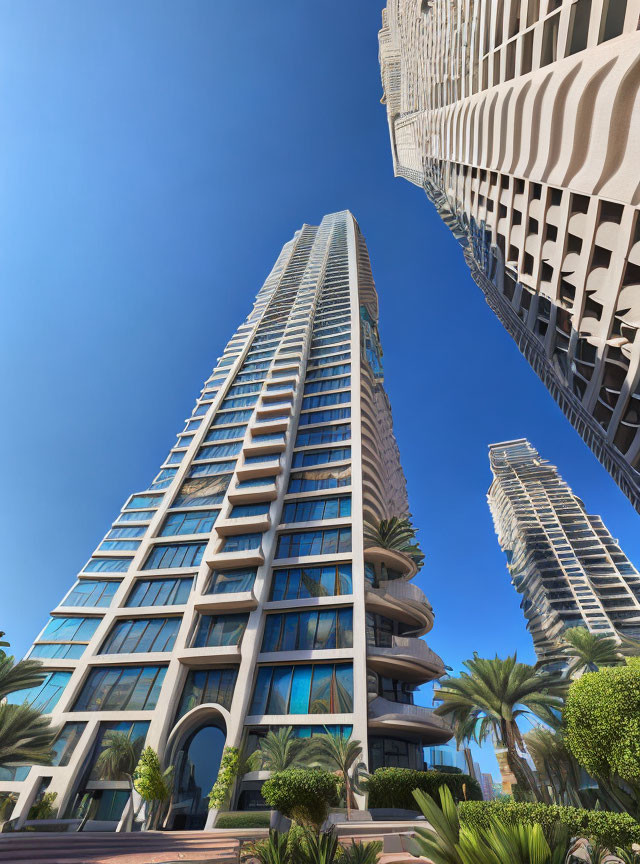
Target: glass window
[(139, 635), (138, 502), (192, 522), (225, 432), (241, 510), (239, 402), (326, 399), (302, 458), (209, 468), (118, 545), (60, 651), (328, 371), (324, 435), (160, 592), (232, 581), (334, 358), (121, 688), (175, 457), (309, 631), (136, 516), (241, 542), (311, 481), (257, 481), (207, 686), (231, 417), (91, 592), (302, 582), (136, 732), (164, 556), (304, 543), (129, 531), (70, 629), (66, 741), (164, 478), (264, 457), (192, 425), (241, 389), (194, 493), (303, 689), (216, 630), (107, 565), (219, 451), (310, 510), (45, 696)]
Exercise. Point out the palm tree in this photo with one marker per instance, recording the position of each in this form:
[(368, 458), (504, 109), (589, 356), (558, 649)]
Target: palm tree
[(26, 736), (337, 753), (489, 700), (555, 765), (19, 676), (396, 534), (278, 751), (589, 651), (118, 761)]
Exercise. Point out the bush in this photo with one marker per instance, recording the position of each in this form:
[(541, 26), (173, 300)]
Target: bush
[(226, 775), (242, 819), (302, 794), (608, 829), (393, 787)]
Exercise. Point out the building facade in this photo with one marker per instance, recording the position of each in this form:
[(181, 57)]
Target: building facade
[(520, 120), (569, 569), (235, 594)]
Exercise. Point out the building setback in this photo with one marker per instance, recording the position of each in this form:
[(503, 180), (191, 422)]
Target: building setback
[(569, 569), (235, 594), (518, 119)]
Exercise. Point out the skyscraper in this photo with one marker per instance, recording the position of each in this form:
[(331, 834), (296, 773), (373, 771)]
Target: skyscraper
[(235, 594), (519, 121), (567, 566)]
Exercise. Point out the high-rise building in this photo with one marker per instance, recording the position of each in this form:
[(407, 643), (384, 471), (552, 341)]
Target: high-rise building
[(235, 594), (518, 118), (569, 569)]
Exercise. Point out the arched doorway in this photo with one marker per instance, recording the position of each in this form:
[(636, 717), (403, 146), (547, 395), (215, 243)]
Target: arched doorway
[(196, 769)]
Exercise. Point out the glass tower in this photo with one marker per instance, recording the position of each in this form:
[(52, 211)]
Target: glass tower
[(569, 569), (518, 119), (235, 594)]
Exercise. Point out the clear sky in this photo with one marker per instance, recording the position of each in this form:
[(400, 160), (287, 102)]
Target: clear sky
[(154, 157)]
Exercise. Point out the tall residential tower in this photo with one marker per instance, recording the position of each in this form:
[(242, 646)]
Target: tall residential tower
[(520, 120), (569, 569), (235, 594)]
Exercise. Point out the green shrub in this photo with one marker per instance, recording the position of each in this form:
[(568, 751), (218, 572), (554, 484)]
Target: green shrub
[(242, 819), (302, 794), (609, 829), (393, 787), (226, 775)]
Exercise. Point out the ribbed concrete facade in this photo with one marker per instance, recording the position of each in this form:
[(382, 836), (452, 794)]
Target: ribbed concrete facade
[(235, 593), (521, 121), (569, 569)]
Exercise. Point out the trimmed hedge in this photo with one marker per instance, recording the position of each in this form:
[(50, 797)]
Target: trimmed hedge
[(393, 787), (302, 794), (244, 819), (609, 829)]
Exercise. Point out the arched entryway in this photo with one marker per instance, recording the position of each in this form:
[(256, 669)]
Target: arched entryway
[(195, 753)]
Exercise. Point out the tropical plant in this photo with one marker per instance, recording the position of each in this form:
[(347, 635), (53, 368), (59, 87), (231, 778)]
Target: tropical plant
[(602, 717), (26, 736), (3, 644), (319, 848), (396, 534), (117, 761), (361, 853), (221, 789), (274, 849), (279, 750), (153, 784), (491, 697), (302, 795), (341, 754), (8, 801), (589, 651), (555, 764), (394, 787), (19, 676), (628, 856), (44, 808)]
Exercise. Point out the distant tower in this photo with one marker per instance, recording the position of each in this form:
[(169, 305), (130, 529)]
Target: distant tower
[(567, 566), (235, 594), (520, 120)]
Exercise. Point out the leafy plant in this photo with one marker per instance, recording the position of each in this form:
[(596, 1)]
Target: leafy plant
[(492, 697), (273, 850), (221, 789), (361, 853), (320, 848), (279, 751), (589, 651), (393, 787), (396, 534), (338, 753), (153, 784), (117, 761), (26, 736), (304, 795), (44, 808), (556, 766)]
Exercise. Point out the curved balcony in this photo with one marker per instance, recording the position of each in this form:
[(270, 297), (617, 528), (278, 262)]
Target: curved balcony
[(391, 560), (407, 657), (402, 601), (390, 716)]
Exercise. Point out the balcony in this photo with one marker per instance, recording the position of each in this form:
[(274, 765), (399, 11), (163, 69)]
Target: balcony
[(243, 525), (253, 470), (402, 601), (253, 494), (224, 560), (388, 559), (231, 601), (210, 655), (388, 717), (272, 442), (407, 657)]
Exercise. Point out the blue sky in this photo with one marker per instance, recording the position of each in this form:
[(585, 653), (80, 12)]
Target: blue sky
[(155, 157)]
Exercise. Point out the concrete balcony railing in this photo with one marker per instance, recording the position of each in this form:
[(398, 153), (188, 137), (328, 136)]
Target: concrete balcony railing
[(406, 657), (404, 601), (389, 716), (391, 560)]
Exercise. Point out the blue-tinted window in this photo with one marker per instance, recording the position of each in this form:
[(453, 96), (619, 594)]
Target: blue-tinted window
[(303, 543), (298, 583), (58, 651), (309, 630), (219, 451), (160, 592), (310, 510), (231, 417), (107, 565), (317, 457), (70, 629), (129, 531), (257, 481), (304, 689), (66, 741), (207, 686), (242, 510), (203, 491), (325, 386), (45, 696), (192, 425), (121, 688), (90, 592), (317, 354), (247, 377), (324, 435), (239, 402), (224, 432), (263, 457), (326, 399), (175, 457), (311, 481), (136, 516), (328, 371), (184, 555), (136, 732), (192, 522), (139, 501), (210, 468), (218, 630), (164, 478), (118, 545), (319, 360), (232, 581), (242, 542), (139, 635)]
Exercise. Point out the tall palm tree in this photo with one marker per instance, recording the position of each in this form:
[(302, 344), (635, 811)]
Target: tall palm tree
[(117, 761), (337, 753), (396, 534), (491, 697), (589, 651), (19, 676), (278, 751), (555, 765), (26, 736)]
